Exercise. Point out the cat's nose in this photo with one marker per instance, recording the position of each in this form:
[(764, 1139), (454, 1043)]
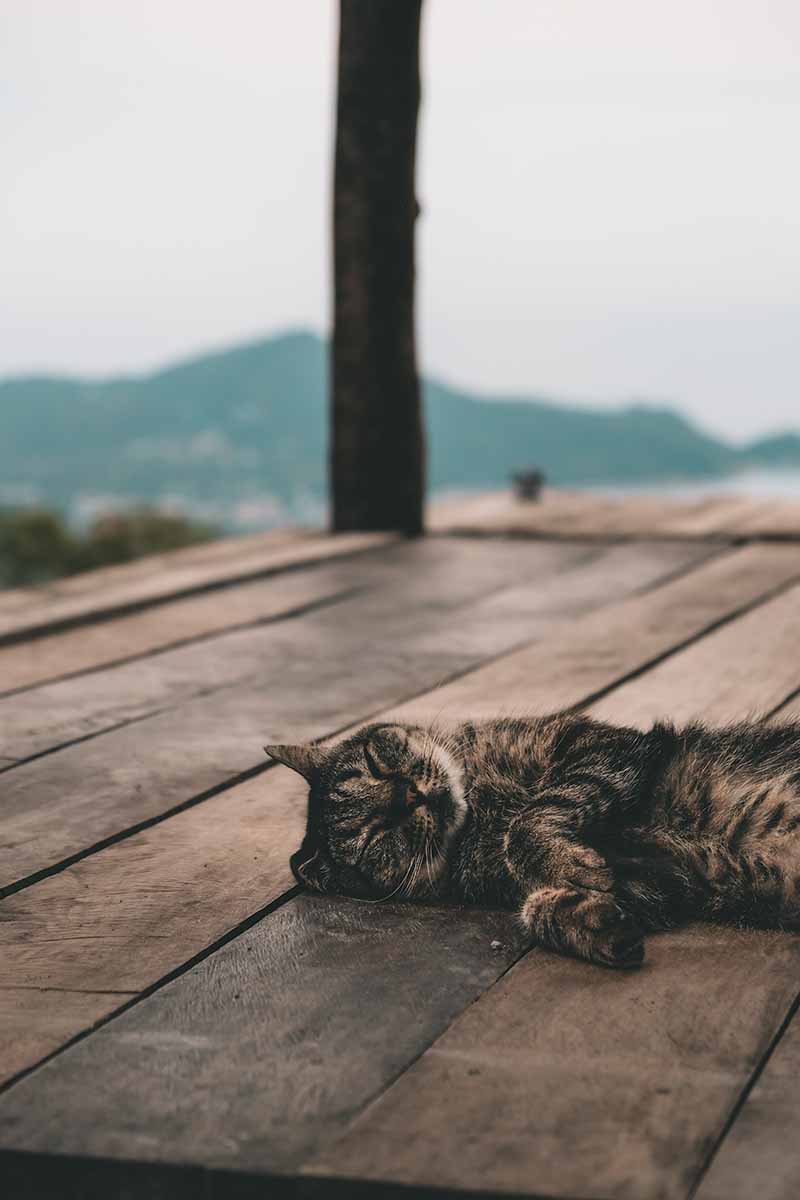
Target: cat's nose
[(433, 799), (414, 796)]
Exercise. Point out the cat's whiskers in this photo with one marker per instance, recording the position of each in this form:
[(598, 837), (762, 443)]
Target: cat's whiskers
[(383, 899)]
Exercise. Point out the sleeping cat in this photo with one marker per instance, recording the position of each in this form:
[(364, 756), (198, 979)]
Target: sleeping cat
[(594, 834)]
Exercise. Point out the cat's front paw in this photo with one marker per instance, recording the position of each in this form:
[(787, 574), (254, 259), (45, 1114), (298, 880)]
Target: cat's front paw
[(612, 938), (589, 924)]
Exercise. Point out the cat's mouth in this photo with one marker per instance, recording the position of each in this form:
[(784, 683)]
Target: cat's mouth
[(434, 812)]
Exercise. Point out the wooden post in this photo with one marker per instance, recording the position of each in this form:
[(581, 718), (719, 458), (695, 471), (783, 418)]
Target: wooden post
[(377, 458)]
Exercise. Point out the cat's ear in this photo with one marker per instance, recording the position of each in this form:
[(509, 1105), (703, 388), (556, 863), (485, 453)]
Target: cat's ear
[(306, 760), (314, 872)]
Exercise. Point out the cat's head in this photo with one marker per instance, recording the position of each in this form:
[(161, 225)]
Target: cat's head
[(383, 809)]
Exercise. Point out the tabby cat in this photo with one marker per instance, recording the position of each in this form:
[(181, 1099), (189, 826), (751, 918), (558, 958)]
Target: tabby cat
[(594, 834)]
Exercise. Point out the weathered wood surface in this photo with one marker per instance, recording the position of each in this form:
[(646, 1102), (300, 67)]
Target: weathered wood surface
[(763, 970), (58, 931), (36, 612), (35, 1021), (87, 583), (452, 576), (760, 1154), (560, 1080), (760, 1157), (124, 917), (563, 1083), (777, 518), (293, 681), (605, 647), (722, 677), (269, 1046), (55, 656), (587, 514)]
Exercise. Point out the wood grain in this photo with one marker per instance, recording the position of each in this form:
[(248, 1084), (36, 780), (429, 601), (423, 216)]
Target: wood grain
[(65, 931), (565, 1080), (761, 1154), (578, 1083), (113, 914), (122, 918), (460, 573), (747, 668), (269, 1046), (269, 684), (54, 656), (35, 1021), (604, 647), (87, 583), (35, 613)]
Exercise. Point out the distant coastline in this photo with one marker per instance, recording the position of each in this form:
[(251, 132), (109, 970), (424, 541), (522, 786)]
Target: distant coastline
[(239, 438)]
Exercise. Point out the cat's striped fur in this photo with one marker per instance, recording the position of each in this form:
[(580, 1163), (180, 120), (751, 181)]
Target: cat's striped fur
[(593, 833)]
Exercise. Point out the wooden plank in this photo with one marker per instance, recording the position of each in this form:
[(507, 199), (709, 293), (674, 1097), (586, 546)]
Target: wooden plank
[(761, 1154), (451, 574), (46, 613), (778, 519), (705, 517), (791, 710), (290, 684), (564, 1080), (87, 583), (500, 513), (270, 1045), (594, 514), (604, 647), (108, 873), (722, 678), (66, 931), (56, 656), (119, 920), (34, 1021), (568, 1082), (444, 515)]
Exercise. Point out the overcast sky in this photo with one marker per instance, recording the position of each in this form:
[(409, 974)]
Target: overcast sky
[(610, 191)]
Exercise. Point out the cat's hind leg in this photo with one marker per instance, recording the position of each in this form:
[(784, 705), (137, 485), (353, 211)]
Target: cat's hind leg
[(586, 924)]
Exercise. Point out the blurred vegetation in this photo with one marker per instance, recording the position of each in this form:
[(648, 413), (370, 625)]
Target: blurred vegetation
[(36, 544)]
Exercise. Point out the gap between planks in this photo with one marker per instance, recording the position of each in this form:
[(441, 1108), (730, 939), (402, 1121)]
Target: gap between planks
[(570, 664), (536, 688), (54, 658), (86, 583), (141, 774), (606, 1049), (60, 710), (37, 614)]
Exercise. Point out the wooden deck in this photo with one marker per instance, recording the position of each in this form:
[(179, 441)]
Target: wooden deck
[(178, 1020)]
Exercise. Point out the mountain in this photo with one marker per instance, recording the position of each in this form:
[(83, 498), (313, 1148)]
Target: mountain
[(240, 436), (780, 450)]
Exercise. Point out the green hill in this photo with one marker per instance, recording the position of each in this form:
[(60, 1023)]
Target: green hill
[(240, 436)]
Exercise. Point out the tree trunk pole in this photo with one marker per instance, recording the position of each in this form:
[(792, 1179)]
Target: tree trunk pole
[(377, 458)]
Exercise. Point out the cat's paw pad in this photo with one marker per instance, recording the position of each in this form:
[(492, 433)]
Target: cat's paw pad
[(589, 870), (615, 940)]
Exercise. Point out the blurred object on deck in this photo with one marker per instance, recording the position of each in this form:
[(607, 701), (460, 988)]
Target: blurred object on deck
[(528, 484), (377, 460)]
